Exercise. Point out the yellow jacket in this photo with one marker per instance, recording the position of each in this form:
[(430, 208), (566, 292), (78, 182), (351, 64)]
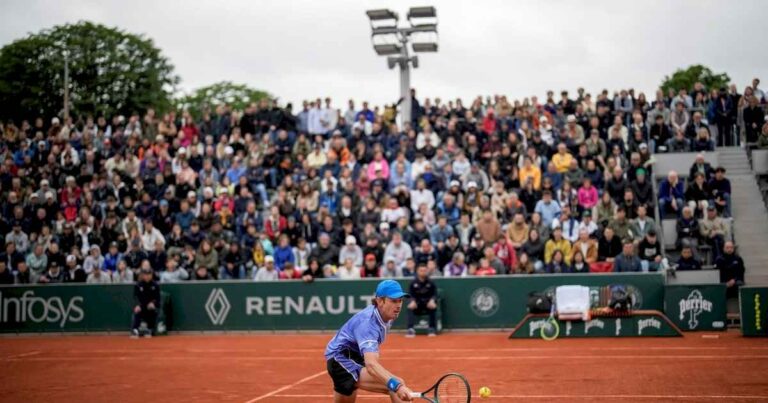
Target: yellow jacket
[(534, 173), (551, 246), (562, 162)]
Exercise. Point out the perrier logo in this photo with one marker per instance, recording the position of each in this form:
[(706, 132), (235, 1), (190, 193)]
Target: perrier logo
[(694, 305)]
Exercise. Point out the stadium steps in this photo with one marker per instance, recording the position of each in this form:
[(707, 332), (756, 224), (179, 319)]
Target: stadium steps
[(750, 214)]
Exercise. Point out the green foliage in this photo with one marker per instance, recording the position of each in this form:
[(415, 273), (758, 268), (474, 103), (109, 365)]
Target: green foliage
[(693, 74), (237, 96), (111, 71)]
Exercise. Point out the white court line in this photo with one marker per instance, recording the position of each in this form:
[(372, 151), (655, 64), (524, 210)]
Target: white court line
[(413, 358), (11, 357), (579, 397), (409, 350), (286, 387)]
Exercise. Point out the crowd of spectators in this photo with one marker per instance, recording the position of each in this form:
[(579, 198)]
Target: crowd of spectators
[(490, 188)]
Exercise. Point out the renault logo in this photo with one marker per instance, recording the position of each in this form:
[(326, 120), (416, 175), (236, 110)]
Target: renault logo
[(217, 306)]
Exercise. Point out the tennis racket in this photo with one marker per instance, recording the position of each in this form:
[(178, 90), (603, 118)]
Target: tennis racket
[(450, 388), (551, 328)]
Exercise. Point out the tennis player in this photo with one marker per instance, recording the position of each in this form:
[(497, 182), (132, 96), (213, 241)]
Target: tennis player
[(352, 356)]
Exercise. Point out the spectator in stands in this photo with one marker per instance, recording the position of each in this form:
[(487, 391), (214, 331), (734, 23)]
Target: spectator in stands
[(700, 165), (671, 194), (714, 231), (762, 140), (370, 267), (720, 188), (313, 271), (557, 264), (547, 208), (6, 277), (173, 273), (586, 246), (348, 270), (456, 267), (97, 276), (267, 272), (687, 260), (688, 232), (122, 275), (702, 141), (53, 275), (650, 252), (678, 143), (753, 119), (627, 261), (534, 248), (698, 194), (234, 261), (731, 267), (351, 251), (557, 242), (680, 117), (74, 272)]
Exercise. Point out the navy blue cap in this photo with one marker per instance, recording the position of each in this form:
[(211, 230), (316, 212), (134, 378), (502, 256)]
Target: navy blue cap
[(390, 289)]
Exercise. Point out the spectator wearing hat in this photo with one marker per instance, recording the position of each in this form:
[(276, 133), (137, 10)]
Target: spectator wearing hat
[(370, 267), (93, 260), (642, 188), (53, 275), (268, 272), (73, 272), (146, 295), (351, 251), (423, 294)]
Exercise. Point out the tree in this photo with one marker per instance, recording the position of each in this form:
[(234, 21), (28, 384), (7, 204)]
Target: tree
[(237, 96), (693, 74), (110, 71)]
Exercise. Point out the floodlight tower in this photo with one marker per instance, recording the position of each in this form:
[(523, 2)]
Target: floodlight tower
[(389, 39)]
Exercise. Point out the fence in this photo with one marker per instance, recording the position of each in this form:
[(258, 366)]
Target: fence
[(475, 303)]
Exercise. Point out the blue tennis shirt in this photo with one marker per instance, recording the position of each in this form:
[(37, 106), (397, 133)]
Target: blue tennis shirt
[(363, 333)]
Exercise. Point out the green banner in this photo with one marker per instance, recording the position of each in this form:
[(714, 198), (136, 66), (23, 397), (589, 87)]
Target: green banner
[(477, 302), (696, 307), (65, 308), (754, 311), (637, 325)]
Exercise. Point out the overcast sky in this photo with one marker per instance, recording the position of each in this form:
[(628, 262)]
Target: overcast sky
[(304, 49)]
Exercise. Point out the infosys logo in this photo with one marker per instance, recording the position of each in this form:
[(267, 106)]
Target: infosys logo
[(35, 309)]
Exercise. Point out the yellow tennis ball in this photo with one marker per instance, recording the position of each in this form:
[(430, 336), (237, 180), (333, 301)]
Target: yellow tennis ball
[(485, 392)]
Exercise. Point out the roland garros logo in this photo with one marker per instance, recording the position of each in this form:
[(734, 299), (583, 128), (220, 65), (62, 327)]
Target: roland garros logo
[(484, 302), (694, 306)]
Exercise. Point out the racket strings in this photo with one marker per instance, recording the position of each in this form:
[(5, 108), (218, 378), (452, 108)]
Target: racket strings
[(452, 389)]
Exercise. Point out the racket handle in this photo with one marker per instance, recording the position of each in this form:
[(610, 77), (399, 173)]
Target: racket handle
[(417, 395)]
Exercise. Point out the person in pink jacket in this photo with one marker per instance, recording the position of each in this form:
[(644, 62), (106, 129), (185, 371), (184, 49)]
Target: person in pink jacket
[(379, 163), (588, 196)]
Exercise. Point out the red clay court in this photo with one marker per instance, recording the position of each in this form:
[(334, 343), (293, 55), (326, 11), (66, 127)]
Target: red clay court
[(290, 368)]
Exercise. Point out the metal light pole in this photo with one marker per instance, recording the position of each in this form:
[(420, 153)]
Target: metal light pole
[(388, 40)]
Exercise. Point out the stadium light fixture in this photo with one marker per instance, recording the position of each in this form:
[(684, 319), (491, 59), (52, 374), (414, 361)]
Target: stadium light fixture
[(422, 12), (389, 39), (381, 14), (386, 49)]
